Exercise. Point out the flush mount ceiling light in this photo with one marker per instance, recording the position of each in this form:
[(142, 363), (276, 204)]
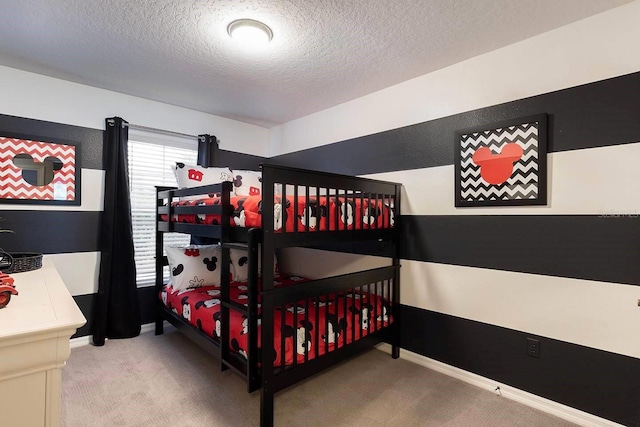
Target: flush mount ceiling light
[(250, 32)]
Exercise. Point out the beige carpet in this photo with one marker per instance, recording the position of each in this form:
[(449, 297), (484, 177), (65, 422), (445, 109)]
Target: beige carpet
[(168, 381)]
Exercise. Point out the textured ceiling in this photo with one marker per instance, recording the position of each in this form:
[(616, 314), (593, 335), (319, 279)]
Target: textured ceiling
[(324, 52)]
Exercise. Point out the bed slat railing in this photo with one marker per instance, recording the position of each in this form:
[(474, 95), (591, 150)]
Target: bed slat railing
[(166, 213), (338, 216), (362, 292)]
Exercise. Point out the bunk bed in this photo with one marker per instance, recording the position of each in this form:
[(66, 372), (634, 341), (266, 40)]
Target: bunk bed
[(311, 324)]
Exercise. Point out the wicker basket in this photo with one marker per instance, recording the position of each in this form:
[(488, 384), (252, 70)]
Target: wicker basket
[(25, 261)]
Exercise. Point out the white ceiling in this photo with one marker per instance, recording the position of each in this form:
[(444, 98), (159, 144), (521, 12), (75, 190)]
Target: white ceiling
[(324, 52)]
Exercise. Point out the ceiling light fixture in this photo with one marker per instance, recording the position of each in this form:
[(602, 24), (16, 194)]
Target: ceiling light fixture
[(250, 32)]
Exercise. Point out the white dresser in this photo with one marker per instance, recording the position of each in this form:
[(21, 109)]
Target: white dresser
[(34, 345)]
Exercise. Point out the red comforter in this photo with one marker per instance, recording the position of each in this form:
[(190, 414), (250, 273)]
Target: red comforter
[(355, 213), (336, 314)]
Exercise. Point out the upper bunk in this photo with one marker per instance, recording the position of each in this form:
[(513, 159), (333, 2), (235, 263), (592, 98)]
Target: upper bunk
[(296, 207)]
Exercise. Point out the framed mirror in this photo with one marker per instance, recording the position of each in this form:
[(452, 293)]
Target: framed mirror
[(38, 171)]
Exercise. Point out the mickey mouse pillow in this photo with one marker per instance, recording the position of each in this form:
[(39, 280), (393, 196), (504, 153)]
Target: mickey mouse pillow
[(190, 176), (193, 266)]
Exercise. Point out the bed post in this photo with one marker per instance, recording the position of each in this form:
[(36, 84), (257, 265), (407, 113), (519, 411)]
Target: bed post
[(395, 346), (266, 407), (268, 306), (208, 152), (160, 263), (253, 372)]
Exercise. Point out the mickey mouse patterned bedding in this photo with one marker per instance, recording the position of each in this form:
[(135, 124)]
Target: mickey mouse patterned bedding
[(320, 213), (336, 315)]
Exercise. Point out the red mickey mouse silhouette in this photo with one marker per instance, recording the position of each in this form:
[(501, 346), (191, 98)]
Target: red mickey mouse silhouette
[(195, 175), (192, 252), (497, 168)]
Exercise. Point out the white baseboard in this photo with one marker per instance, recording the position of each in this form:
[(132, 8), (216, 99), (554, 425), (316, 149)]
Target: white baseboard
[(87, 339), (80, 341), (549, 406)]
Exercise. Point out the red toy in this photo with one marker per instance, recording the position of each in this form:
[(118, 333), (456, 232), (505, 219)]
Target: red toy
[(7, 288)]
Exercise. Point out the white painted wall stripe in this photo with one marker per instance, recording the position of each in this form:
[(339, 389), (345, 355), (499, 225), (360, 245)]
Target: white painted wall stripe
[(594, 314), (595, 181), (78, 270)]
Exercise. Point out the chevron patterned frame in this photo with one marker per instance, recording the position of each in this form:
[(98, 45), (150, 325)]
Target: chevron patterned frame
[(61, 182), (502, 164)]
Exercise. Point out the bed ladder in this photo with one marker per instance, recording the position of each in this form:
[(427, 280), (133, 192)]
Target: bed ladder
[(229, 360)]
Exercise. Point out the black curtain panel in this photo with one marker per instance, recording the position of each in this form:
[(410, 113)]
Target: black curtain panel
[(117, 312), (208, 151)]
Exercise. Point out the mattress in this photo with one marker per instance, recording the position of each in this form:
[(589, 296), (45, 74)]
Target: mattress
[(300, 333), (322, 213)]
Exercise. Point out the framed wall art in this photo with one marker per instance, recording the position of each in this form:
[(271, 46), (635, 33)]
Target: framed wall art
[(37, 171), (502, 164)]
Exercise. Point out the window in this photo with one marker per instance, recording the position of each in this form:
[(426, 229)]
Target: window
[(151, 161)]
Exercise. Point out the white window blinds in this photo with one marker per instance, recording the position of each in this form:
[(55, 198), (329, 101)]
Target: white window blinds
[(151, 164)]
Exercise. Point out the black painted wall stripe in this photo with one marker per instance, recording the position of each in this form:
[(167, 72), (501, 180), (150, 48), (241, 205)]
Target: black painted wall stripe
[(90, 139), (579, 246), (598, 382), (236, 160), (597, 114), (85, 303), (51, 232)]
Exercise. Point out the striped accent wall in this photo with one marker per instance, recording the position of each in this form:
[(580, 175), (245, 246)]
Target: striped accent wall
[(476, 282), (69, 235)]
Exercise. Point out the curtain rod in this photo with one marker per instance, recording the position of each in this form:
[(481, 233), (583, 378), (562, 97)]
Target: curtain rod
[(161, 131)]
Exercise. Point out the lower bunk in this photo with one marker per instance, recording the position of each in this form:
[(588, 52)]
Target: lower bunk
[(315, 324)]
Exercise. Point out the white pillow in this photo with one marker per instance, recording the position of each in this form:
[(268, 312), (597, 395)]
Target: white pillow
[(240, 265), (193, 266), (189, 176), (247, 183)]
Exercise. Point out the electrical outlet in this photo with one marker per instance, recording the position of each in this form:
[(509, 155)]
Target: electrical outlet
[(533, 348)]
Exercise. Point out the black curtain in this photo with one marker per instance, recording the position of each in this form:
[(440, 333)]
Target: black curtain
[(208, 155), (117, 311)]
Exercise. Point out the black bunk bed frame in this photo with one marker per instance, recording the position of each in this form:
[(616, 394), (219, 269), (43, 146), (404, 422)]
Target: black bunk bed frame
[(258, 370)]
